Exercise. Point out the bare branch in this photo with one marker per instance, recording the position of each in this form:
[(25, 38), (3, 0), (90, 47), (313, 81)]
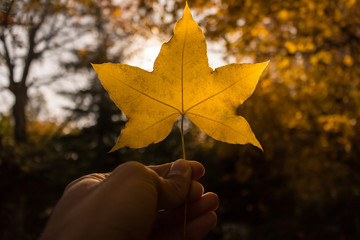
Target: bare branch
[(63, 43), (8, 60), (31, 55), (54, 31), (45, 80)]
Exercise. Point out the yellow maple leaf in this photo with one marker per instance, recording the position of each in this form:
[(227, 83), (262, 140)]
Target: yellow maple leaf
[(182, 83)]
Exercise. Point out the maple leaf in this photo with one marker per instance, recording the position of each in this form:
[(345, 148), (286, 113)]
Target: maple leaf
[(181, 83)]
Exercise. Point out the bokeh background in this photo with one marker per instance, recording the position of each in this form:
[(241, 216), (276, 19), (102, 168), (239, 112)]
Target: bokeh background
[(57, 123)]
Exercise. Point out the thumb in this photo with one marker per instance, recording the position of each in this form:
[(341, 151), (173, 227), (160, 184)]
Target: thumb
[(173, 189)]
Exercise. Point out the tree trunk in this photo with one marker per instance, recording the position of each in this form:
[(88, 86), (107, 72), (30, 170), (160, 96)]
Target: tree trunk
[(19, 113)]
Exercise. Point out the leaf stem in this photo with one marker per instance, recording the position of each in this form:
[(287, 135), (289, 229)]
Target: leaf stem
[(184, 157), (182, 136)]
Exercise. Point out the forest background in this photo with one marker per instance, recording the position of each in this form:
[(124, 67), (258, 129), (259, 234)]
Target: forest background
[(305, 111)]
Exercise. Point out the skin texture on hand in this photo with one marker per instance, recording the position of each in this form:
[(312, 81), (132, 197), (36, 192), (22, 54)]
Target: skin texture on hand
[(135, 202)]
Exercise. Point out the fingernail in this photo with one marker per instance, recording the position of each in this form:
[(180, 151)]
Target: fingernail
[(178, 167)]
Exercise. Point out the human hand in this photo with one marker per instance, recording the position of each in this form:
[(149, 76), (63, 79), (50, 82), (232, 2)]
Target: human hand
[(135, 202)]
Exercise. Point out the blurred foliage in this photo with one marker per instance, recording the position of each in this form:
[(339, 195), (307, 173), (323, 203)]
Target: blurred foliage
[(305, 113)]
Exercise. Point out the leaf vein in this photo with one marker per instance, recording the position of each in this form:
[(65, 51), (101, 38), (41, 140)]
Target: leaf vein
[(221, 91), (152, 125), (157, 100), (182, 68), (213, 120)]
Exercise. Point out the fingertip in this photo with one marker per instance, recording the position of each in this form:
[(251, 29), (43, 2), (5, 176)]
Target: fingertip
[(195, 192), (208, 202), (213, 200), (198, 170)]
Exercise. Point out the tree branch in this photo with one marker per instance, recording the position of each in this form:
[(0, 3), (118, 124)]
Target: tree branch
[(63, 43), (8, 60), (45, 81), (31, 55), (47, 38)]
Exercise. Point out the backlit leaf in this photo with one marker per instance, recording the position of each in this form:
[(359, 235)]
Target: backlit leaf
[(182, 83)]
